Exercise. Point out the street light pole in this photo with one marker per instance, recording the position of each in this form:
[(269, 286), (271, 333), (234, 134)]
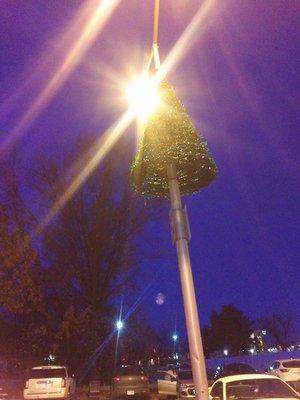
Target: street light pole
[(181, 235), (175, 338)]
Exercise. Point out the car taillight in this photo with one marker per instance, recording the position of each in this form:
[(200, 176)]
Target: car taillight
[(283, 370), (63, 383), (26, 384), (116, 379)]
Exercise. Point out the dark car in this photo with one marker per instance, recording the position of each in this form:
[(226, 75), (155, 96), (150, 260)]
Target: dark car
[(130, 382), (233, 369)]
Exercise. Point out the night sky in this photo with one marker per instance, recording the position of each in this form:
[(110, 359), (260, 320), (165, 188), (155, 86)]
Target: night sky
[(239, 80)]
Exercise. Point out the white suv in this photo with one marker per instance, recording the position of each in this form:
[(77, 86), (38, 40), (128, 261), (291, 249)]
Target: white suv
[(49, 382), (288, 371)]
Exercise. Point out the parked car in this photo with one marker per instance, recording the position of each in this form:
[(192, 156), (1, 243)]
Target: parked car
[(233, 369), (287, 370), (186, 387), (251, 386), (130, 381), (163, 383), (49, 382)]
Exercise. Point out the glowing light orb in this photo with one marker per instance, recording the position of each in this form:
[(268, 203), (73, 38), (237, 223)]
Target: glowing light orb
[(143, 97), (119, 325), (160, 299)]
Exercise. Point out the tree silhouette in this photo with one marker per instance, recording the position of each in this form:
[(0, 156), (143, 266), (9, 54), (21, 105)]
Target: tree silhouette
[(83, 259), (24, 328), (91, 246), (230, 330)]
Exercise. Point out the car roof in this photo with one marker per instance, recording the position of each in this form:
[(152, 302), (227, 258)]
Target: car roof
[(233, 363), (233, 378), (49, 367)]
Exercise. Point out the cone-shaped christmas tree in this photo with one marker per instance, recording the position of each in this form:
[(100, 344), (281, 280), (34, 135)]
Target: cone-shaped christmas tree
[(170, 137)]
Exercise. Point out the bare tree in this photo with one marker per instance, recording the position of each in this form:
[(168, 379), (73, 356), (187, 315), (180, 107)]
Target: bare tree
[(92, 247), (91, 250)]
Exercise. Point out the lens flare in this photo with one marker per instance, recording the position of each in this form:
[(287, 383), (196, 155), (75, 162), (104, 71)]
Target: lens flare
[(190, 36), (100, 12), (143, 97)]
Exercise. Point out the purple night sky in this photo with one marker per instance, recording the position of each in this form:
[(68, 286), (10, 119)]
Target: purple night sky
[(239, 81)]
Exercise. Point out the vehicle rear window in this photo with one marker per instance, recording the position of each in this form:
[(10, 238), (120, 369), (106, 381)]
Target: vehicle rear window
[(258, 389), (185, 375), (130, 371), (291, 364), (47, 373)]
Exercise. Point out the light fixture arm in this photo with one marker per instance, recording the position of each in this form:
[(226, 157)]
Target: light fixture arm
[(156, 21), (154, 55)]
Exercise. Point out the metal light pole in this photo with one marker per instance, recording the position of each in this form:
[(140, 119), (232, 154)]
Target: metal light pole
[(181, 235), (170, 142)]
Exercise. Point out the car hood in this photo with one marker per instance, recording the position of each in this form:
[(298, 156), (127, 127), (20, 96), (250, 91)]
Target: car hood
[(271, 398)]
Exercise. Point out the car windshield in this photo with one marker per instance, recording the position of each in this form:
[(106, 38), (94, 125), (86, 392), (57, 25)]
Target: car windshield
[(291, 364), (258, 389), (185, 375), (47, 373)]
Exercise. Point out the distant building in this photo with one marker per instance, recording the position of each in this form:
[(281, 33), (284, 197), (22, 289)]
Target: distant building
[(259, 341)]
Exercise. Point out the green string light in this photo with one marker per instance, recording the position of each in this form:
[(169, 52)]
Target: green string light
[(171, 137)]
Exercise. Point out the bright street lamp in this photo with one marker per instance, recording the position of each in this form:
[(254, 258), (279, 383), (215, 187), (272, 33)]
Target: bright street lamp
[(119, 325), (143, 97), (175, 338)]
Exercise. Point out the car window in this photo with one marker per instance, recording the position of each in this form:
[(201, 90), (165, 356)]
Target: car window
[(47, 373), (258, 388), (153, 376), (291, 364), (161, 375), (217, 390), (167, 377)]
